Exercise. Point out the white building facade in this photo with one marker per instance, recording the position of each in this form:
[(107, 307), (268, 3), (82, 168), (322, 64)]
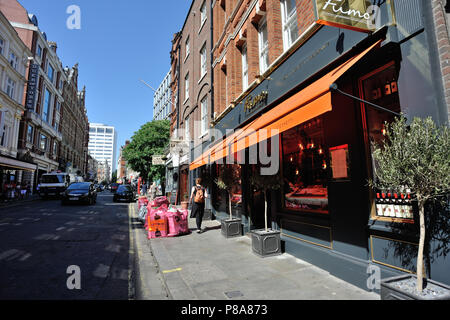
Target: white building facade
[(162, 100), (14, 59), (103, 145)]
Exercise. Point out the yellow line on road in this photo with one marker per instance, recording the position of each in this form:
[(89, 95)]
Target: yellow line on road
[(173, 270)]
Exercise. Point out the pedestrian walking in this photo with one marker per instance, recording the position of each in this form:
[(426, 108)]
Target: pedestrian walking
[(198, 197), (144, 189), (153, 190)]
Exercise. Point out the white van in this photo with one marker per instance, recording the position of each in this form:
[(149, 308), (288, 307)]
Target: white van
[(54, 184)]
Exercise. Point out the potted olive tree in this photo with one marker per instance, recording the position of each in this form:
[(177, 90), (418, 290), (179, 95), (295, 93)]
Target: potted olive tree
[(265, 242), (415, 157), (226, 180)]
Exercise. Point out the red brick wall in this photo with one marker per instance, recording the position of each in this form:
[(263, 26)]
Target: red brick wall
[(443, 40), (233, 74)]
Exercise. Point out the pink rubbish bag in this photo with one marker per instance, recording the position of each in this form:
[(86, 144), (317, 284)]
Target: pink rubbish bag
[(158, 202), (178, 223), (157, 223)]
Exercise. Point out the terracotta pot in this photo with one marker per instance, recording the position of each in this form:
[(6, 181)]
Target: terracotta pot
[(184, 205)]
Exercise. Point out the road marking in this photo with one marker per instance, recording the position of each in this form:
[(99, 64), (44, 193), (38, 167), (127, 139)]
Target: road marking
[(173, 270)]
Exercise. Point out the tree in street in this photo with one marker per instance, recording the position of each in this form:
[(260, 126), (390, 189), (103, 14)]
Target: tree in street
[(151, 139), (415, 157)]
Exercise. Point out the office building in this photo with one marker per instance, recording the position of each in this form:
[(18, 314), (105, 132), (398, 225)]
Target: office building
[(102, 144), (162, 100)]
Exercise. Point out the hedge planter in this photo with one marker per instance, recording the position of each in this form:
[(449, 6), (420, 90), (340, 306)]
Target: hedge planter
[(266, 243), (232, 228), (404, 288)]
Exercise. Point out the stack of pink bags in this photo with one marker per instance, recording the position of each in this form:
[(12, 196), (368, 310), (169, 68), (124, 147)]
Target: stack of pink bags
[(162, 221)]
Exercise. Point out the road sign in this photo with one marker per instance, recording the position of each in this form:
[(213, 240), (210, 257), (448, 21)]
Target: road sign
[(158, 161)]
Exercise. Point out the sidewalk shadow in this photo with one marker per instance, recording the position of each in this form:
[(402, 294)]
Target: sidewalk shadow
[(211, 228)]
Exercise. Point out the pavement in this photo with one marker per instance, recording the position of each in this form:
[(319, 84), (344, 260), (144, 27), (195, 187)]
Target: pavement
[(208, 266)]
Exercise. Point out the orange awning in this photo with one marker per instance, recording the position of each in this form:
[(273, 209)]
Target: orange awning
[(305, 105)]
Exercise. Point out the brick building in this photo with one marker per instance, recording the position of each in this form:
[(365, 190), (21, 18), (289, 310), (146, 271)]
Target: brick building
[(276, 66), (441, 19), (74, 126), (40, 132), (191, 87)]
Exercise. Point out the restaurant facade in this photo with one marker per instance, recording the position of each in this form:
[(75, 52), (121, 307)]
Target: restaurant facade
[(315, 111)]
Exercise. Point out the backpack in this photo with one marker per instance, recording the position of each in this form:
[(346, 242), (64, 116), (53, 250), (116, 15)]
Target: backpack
[(199, 195)]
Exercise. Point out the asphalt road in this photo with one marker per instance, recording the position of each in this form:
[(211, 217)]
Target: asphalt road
[(47, 250)]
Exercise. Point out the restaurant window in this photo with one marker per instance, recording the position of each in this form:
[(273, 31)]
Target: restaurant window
[(289, 20), (305, 174), (220, 200), (380, 87)]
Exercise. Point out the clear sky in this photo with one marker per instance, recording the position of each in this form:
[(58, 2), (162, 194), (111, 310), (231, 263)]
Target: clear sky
[(119, 43)]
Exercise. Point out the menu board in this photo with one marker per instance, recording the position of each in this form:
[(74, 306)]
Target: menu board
[(339, 162)]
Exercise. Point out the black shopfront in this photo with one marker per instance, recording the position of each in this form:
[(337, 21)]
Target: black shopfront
[(325, 211)]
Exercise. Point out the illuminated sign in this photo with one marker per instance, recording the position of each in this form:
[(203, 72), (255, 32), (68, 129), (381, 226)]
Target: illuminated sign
[(358, 15)]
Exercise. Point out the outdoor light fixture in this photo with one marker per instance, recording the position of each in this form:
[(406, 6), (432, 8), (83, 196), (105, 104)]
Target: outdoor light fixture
[(334, 87)]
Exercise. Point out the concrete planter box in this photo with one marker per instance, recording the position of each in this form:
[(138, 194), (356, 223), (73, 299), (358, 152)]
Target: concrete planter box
[(396, 288), (231, 228), (266, 243)]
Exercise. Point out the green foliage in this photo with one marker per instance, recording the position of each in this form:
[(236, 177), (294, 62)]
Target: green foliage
[(151, 139), (414, 157), (264, 182), (227, 178)]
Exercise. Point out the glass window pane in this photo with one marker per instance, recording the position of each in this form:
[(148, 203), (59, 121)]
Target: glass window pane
[(305, 172)]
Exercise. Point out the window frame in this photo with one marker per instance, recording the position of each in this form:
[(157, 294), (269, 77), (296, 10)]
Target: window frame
[(41, 140), (263, 47), (204, 115), (203, 61), (13, 60), (203, 15), (244, 67), (30, 135), (288, 19), (47, 106), (10, 87), (187, 47), (186, 87)]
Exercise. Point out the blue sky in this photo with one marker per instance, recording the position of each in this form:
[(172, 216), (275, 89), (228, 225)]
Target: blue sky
[(119, 43)]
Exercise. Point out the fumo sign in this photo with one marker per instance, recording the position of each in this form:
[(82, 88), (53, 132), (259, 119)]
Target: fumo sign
[(359, 15)]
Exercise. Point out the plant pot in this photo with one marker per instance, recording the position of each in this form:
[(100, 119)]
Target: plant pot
[(403, 288), (232, 228), (266, 243), (184, 205)]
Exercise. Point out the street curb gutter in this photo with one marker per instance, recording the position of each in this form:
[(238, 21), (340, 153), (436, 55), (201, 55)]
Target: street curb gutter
[(146, 276)]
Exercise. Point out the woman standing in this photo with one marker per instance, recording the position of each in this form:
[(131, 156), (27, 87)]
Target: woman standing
[(199, 195)]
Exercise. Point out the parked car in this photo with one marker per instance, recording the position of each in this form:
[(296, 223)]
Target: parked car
[(80, 192), (124, 192), (113, 187)]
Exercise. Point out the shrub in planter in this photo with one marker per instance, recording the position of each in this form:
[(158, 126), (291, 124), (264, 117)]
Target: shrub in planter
[(415, 157), (266, 242), (231, 227)]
